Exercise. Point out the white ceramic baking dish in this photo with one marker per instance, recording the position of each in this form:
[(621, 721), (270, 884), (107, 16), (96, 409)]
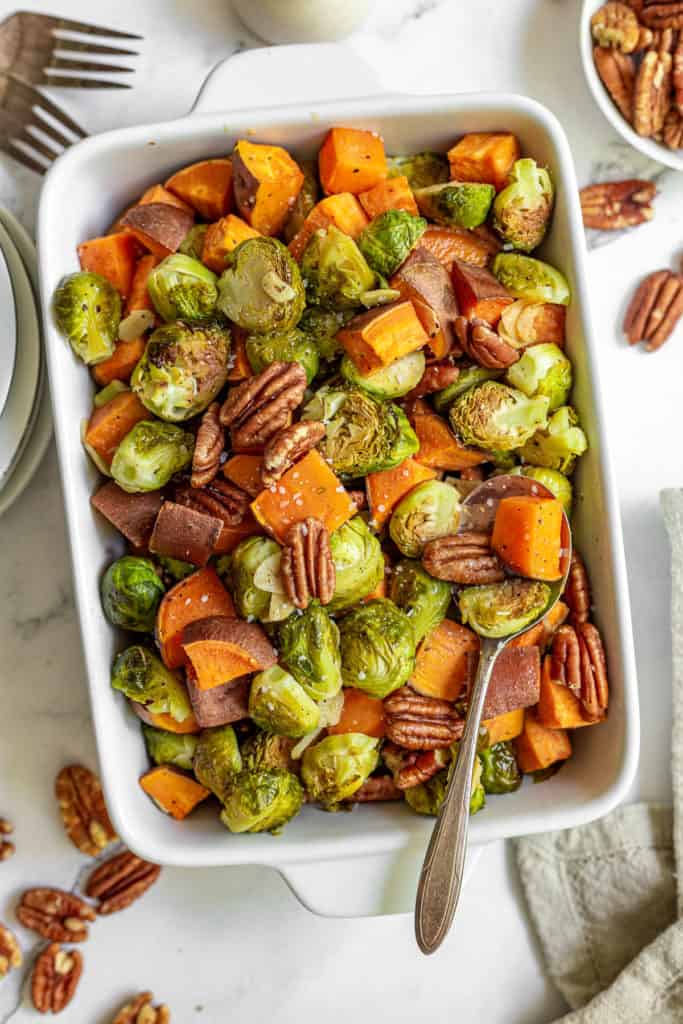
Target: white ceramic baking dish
[(336, 863)]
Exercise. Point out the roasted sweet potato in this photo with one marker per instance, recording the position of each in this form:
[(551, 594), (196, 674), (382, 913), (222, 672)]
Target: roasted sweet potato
[(112, 256), (441, 665), (245, 472), (159, 194), (160, 227), (121, 363), (184, 533), (139, 296), (361, 713), (221, 648), (133, 515), (538, 747), (439, 447), (389, 194), (351, 160), (239, 365), (515, 683), (484, 156), (382, 335), (267, 182), (342, 210), (232, 534), (220, 705), (529, 323), (449, 244), (196, 597), (558, 707), (222, 237), (527, 536), (166, 722), (109, 424), (425, 281), (173, 791), (478, 293), (206, 186), (540, 634), (504, 727), (385, 489)]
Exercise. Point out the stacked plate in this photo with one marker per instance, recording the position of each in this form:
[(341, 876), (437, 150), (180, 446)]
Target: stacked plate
[(25, 424)]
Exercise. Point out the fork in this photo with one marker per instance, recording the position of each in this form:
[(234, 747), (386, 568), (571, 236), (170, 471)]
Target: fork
[(29, 44), (33, 129)]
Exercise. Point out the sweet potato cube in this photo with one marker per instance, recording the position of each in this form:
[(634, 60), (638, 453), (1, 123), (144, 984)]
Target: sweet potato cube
[(109, 424), (206, 186), (441, 665), (245, 472), (515, 683), (196, 597), (239, 367), (166, 722), (159, 194), (112, 256), (478, 293), (160, 227), (351, 160), (267, 182), (484, 156), (527, 536), (558, 707), (538, 747), (185, 533), (439, 447), (133, 515), (426, 282), (222, 237), (449, 244), (390, 194), (504, 727), (139, 296), (173, 791), (361, 713), (309, 488), (222, 648), (232, 533), (343, 211), (382, 335), (121, 363), (386, 488), (220, 705)]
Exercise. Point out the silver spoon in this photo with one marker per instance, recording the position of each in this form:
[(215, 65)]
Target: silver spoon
[(440, 882)]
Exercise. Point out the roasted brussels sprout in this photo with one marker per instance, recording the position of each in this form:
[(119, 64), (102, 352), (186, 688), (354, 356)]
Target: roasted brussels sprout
[(456, 204), (422, 598), (173, 569), (182, 288), (388, 239), (170, 747), (239, 570), (528, 278), (558, 445), (543, 370), (392, 381), (88, 313), (494, 416), (335, 768), (363, 435), (292, 346), (278, 703), (261, 287), (335, 271), (217, 758), (321, 326), (358, 563), (377, 648), (522, 210), (421, 169), (183, 369), (131, 591), (556, 482), (304, 202), (262, 800), (499, 770), (150, 454), (309, 648), (265, 750), (501, 609), (430, 510), (141, 676), (193, 242), (427, 797), (468, 377)]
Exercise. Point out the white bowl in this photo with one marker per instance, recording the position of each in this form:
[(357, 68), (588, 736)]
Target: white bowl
[(318, 853), (648, 147)]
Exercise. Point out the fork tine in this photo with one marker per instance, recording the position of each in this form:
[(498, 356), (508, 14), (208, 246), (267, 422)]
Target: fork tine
[(45, 105), (21, 156), (65, 64), (68, 25), (63, 82), (80, 46), (41, 125), (37, 145)]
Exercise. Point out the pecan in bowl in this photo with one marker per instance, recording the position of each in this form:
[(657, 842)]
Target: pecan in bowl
[(652, 93), (262, 405), (578, 661), (617, 73), (464, 558), (307, 565), (421, 723), (55, 978), (483, 345), (616, 25)]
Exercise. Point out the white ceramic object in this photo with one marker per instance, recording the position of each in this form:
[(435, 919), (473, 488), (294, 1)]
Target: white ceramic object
[(326, 858), (8, 332), (302, 21), (648, 147)]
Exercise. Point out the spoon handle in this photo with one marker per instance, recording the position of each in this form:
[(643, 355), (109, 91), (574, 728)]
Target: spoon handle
[(441, 879)]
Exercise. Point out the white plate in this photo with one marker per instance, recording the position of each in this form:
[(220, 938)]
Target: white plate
[(8, 332)]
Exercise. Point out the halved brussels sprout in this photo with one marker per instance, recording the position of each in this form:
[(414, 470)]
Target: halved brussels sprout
[(193, 242), (468, 377), (391, 381), (238, 571), (559, 444), (543, 370), (421, 169), (292, 346), (362, 435), (500, 772), (261, 287), (170, 747), (377, 648), (131, 591), (456, 204), (522, 210), (309, 648), (358, 563), (321, 326), (262, 800), (430, 510), (308, 196), (528, 278), (501, 609), (278, 703), (494, 416), (88, 313), (335, 768), (387, 240), (422, 598), (141, 676), (265, 750), (335, 271), (427, 797), (556, 482), (150, 454), (182, 288), (217, 758)]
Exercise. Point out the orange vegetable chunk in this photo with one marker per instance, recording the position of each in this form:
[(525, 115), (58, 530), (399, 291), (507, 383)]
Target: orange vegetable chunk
[(167, 722), (439, 447), (527, 535), (390, 194), (109, 424), (267, 182), (540, 634), (361, 713), (558, 707), (351, 160), (222, 237), (113, 257), (159, 194), (441, 666), (232, 533), (245, 472), (479, 293), (221, 649), (382, 335), (139, 296), (309, 488), (538, 747), (238, 363), (121, 363), (216, 662), (386, 488), (196, 597), (450, 244), (343, 211), (505, 727), (160, 227), (173, 791), (426, 282), (206, 186), (484, 156)]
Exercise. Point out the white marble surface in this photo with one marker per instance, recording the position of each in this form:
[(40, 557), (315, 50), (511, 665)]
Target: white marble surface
[(234, 944)]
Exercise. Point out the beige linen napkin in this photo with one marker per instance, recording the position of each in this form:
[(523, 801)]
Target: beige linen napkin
[(604, 897)]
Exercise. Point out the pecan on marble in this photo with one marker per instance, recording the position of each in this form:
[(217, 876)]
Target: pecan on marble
[(616, 25), (655, 309), (84, 813), (307, 565), (208, 448), (55, 977), (7, 848), (420, 723), (120, 881), (219, 498), (287, 447), (463, 558), (436, 377), (263, 405), (141, 1011), (56, 915), (10, 952), (657, 14), (672, 133), (652, 93), (617, 72), (577, 591), (578, 661), (612, 205), (483, 345)]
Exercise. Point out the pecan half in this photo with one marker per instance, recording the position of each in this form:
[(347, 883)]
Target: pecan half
[(359, 498), (435, 377), (56, 915), (655, 309), (7, 848), (652, 93), (662, 13), (463, 558), (262, 405), (56, 974), (677, 74), (616, 25), (411, 767), (577, 591), (481, 343), (120, 881), (307, 565), (578, 661), (617, 72), (141, 1011), (663, 39), (287, 447), (420, 723), (672, 133), (84, 814), (219, 498), (377, 789), (10, 953), (208, 448), (612, 205)]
